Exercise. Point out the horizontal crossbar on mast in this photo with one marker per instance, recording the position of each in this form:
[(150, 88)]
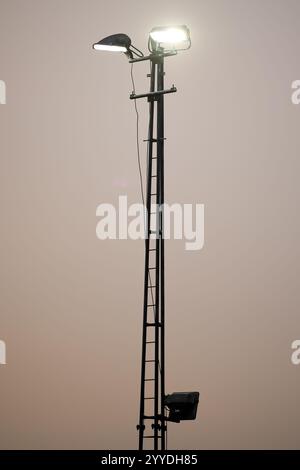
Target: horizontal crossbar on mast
[(153, 94)]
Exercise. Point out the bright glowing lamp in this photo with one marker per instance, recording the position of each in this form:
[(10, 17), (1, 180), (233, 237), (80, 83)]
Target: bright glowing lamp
[(171, 36), (115, 43)]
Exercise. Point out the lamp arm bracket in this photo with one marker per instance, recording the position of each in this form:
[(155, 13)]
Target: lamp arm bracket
[(155, 56)]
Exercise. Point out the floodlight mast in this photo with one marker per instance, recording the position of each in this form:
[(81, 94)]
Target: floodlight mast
[(152, 407), (152, 426)]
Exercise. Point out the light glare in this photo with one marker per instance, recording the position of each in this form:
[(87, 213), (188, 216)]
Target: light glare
[(169, 35), (104, 47)]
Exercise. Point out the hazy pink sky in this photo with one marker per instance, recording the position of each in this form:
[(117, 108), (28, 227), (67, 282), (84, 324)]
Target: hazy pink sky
[(70, 304)]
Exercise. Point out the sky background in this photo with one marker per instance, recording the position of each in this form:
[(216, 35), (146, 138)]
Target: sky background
[(70, 304)]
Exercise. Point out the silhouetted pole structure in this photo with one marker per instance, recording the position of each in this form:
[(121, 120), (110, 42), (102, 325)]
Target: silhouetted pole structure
[(152, 408), (153, 400)]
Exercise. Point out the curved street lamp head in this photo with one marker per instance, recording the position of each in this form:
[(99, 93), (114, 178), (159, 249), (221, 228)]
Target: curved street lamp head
[(114, 43)]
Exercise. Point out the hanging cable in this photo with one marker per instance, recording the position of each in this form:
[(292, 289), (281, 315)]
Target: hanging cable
[(140, 169), (137, 137)]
